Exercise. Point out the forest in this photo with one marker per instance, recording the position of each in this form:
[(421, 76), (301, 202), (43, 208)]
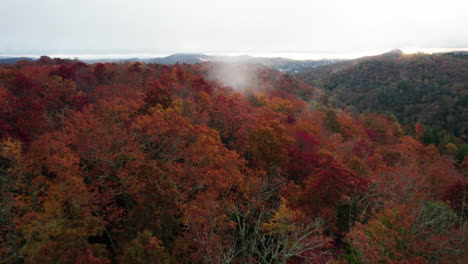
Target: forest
[(430, 88), (147, 163)]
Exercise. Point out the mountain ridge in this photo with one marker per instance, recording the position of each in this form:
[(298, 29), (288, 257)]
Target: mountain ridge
[(430, 88), (285, 65)]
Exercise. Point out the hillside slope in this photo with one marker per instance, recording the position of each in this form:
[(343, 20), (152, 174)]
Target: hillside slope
[(432, 89)]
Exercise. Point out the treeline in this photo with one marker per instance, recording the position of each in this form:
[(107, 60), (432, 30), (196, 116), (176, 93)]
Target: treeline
[(144, 163)]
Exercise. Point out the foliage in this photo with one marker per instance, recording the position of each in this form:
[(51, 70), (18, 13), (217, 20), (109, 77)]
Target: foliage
[(145, 163), (431, 89)]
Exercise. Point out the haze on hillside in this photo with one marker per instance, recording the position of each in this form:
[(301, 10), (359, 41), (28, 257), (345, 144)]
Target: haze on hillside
[(300, 29)]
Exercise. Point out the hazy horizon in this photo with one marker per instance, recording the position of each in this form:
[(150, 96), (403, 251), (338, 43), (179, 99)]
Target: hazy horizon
[(295, 29), (287, 55)]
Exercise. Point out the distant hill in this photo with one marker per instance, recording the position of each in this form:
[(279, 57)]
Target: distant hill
[(13, 60), (281, 64), (430, 88), (179, 58)]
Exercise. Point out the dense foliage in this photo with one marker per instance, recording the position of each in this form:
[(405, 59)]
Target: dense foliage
[(144, 163), (432, 89)]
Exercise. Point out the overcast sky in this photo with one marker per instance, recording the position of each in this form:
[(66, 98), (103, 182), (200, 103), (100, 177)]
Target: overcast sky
[(256, 27)]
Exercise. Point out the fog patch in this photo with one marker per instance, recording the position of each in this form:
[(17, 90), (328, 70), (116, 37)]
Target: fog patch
[(240, 77)]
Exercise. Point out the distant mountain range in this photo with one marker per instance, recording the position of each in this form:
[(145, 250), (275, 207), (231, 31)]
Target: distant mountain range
[(284, 65), (281, 64)]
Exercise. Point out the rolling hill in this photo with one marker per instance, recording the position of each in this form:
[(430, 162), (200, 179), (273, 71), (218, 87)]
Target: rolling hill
[(430, 88)]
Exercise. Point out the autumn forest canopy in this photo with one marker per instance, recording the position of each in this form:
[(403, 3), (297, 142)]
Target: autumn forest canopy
[(148, 163)]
